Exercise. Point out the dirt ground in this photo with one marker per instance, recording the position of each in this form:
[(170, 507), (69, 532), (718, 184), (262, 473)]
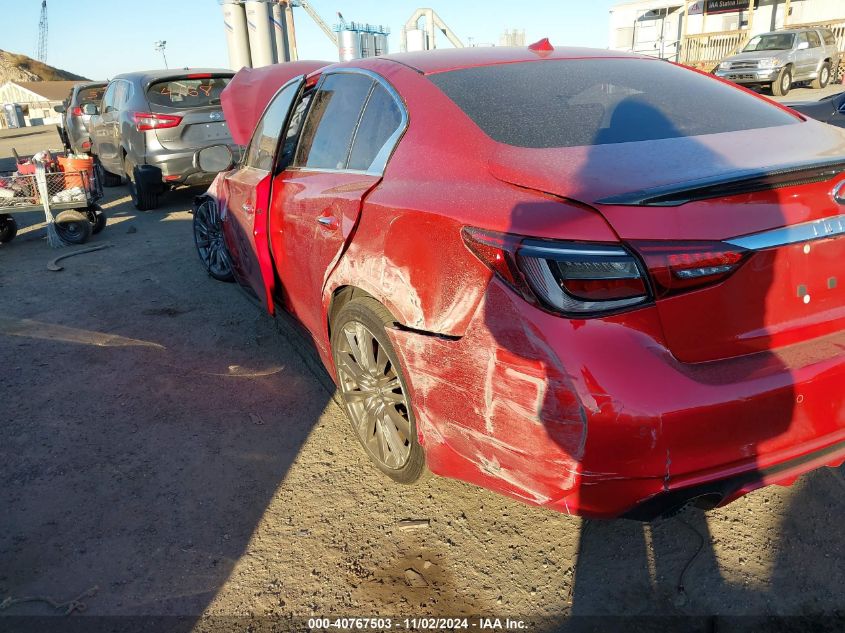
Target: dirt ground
[(164, 441)]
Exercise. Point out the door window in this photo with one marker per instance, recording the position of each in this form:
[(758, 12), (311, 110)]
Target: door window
[(108, 98), (262, 147), (288, 145), (814, 39), (802, 37), (382, 118), (119, 94), (332, 121)]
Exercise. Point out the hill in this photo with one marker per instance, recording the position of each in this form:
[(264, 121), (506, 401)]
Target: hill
[(15, 67)]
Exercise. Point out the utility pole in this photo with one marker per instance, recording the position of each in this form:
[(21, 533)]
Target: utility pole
[(41, 53), (159, 46)]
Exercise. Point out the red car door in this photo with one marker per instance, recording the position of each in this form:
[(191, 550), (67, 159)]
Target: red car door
[(352, 125), (248, 197)]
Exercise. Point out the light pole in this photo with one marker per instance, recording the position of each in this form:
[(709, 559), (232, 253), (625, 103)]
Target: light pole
[(159, 46)]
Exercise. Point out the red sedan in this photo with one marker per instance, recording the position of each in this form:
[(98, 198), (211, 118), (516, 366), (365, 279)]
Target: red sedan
[(597, 282)]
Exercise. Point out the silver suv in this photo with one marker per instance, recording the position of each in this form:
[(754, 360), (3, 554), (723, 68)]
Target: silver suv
[(782, 58), (149, 124)]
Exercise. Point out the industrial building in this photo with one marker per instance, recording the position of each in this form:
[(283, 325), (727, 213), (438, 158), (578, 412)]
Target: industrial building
[(700, 33), (35, 99)]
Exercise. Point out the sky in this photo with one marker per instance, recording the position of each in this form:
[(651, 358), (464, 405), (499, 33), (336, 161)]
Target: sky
[(101, 38)]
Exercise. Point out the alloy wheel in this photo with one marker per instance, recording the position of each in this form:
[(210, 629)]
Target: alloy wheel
[(208, 236), (374, 395)]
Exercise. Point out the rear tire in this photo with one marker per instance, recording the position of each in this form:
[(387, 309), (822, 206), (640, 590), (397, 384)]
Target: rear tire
[(782, 84), (8, 228), (73, 227), (106, 178), (142, 197), (373, 387), (823, 79), (96, 217)]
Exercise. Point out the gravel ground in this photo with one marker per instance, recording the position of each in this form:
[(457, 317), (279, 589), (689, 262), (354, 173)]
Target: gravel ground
[(163, 440)]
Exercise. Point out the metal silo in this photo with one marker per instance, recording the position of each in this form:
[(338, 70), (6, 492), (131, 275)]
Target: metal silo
[(280, 33), (260, 29), (381, 44), (349, 45), (237, 40), (368, 43), (416, 40)]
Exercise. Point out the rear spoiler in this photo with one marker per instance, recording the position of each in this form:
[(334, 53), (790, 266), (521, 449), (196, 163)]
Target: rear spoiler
[(729, 184)]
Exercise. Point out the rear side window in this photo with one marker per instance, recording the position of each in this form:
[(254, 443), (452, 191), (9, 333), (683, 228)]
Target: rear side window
[(332, 120), (90, 95), (814, 39), (187, 92), (565, 103), (381, 119), (829, 38)]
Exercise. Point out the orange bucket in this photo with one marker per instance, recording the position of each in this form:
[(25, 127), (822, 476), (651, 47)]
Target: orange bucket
[(72, 167)]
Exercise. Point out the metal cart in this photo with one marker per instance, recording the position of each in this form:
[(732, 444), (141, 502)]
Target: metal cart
[(70, 196)]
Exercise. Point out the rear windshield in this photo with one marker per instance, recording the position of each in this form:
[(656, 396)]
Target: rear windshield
[(565, 103), (94, 94), (187, 92)]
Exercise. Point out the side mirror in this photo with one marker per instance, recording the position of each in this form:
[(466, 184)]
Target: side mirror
[(802, 45), (214, 158), (90, 108), (60, 109)]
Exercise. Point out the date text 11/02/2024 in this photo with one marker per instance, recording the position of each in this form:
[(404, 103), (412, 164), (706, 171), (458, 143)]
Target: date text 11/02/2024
[(436, 624)]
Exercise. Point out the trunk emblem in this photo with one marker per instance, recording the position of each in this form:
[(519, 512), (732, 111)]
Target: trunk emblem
[(839, 192), (215, 116)]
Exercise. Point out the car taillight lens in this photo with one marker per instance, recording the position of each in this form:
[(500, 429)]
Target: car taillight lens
[(578, 278), (568, 277), (150, 121), (681, 266), (76, 111)]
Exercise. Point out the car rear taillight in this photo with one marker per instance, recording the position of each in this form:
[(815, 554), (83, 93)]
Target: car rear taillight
[(496, 251), (76, 111), (568, 277), (680, 266), (151, 121)]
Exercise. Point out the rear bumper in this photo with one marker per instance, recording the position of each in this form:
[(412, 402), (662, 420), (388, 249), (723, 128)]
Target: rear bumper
[(177, 166), (597, 418)]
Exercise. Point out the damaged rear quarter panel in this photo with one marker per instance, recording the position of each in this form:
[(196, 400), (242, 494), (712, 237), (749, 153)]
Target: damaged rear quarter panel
[(502, 408)]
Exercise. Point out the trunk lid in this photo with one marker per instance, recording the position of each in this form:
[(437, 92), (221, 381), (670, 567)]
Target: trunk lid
[(195, 98), (737, 189)]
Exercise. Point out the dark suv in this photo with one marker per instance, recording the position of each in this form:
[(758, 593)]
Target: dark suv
[(149, 124)]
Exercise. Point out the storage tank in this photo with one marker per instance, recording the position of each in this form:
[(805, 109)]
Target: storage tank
[(280, 33), (368, 44), (416, 40), (381, 44), (349, 45), (260, 29), (237, 40)]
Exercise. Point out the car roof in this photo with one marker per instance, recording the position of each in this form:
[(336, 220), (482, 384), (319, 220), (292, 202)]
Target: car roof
[(446, 59), (792, 31), (153, 75)]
